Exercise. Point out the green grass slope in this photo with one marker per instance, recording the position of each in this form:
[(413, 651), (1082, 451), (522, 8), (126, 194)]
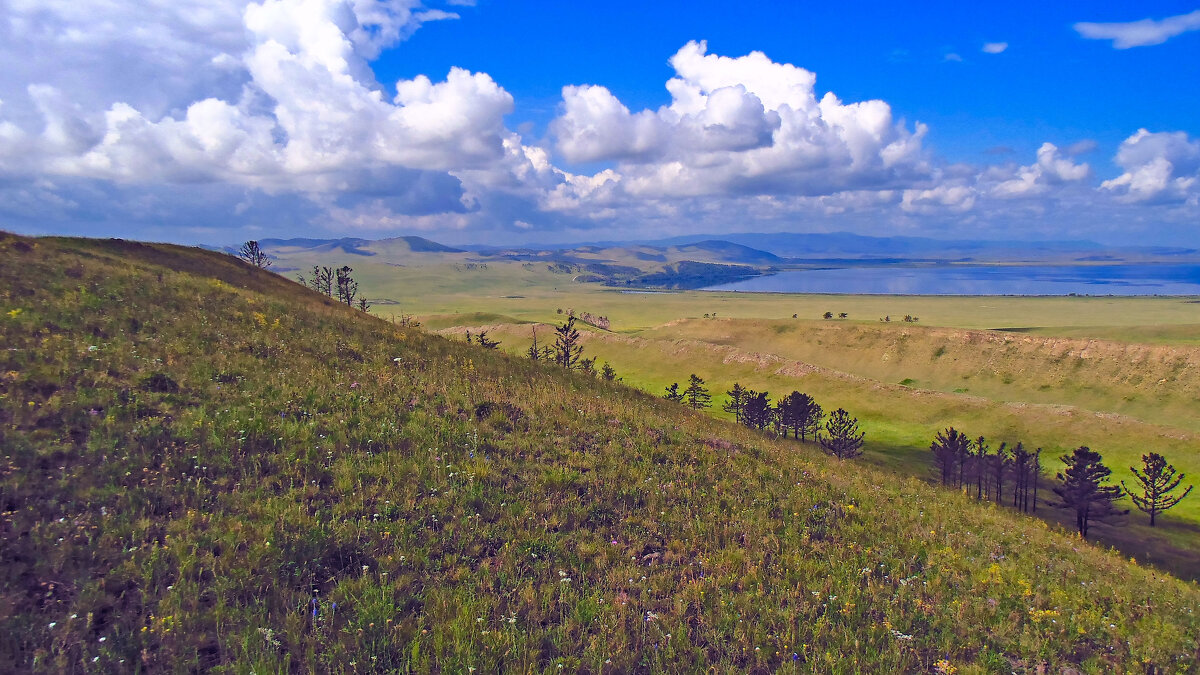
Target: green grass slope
[(901, 420), (214, 468)]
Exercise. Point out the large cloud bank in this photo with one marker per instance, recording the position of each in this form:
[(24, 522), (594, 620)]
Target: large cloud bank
[(740, 125), (240, 115)]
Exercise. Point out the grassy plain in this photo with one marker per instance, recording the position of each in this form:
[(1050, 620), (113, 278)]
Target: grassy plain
[(1119, 374), (210, 468)]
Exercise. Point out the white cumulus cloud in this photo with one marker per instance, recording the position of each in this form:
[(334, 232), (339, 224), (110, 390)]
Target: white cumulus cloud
[(1140, 33), (994, 47), (1162, 166), (1050, 169), (744, 125), (305, 109)]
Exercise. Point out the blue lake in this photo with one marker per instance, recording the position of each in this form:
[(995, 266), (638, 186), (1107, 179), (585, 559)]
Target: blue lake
[(901, 279)]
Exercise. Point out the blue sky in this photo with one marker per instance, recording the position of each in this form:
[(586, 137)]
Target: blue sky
[(1049, 84), (220, 120)]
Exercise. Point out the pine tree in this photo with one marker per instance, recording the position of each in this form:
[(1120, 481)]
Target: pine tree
[(696, 394), (484, 342), (842, 439), (608, 372), (756, 409), (1083, 489), (673, 393), (321, 280), (1037, 476), (785, 415), (979, 465), (1022, 472), (347, 287), (1000, 466), (1157, 481), (566, 344), (799, 413), (737, 400), (534, 352), (251, 253), (948, 447), (810, 414)]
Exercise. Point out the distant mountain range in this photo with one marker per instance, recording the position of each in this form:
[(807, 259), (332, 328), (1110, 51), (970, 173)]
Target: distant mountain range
[(843, 245), (359, 246), (761, 250)]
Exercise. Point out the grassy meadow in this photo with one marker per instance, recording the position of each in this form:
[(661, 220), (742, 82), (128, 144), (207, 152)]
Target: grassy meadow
[(208, 467)]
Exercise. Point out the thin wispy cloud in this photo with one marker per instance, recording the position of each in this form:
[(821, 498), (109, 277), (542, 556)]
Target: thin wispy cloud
[(1141, 33), (994, 47)]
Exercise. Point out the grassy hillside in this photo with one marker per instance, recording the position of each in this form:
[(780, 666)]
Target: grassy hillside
[(901, 419), (213, 468)]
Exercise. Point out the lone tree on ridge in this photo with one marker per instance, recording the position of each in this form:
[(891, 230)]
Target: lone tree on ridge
[(251, 253)]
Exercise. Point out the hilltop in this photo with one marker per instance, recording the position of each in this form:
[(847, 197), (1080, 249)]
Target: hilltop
[(209, 465)]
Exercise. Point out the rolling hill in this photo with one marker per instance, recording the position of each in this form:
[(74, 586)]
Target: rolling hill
[(208, 466)]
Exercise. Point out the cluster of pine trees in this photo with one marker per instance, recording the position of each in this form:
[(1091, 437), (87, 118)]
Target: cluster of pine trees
[(567, 352), (333, 282), (336, 282), (482, 340), (973, 466), (797, 414), (1012, 477)]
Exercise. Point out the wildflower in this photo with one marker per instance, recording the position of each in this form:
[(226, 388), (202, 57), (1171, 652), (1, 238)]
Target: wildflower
[(944, 667)]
